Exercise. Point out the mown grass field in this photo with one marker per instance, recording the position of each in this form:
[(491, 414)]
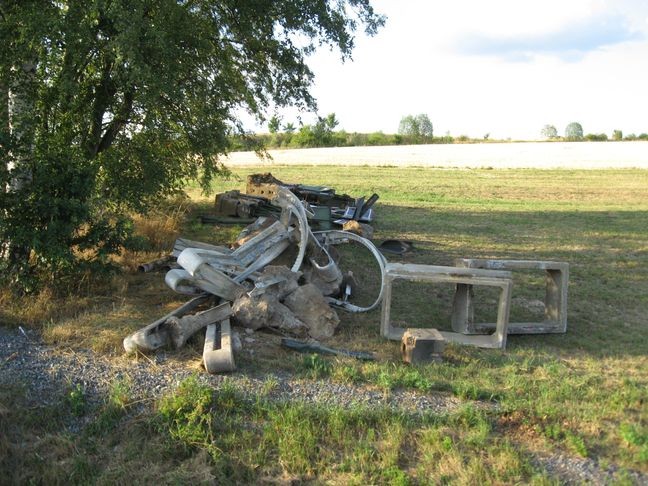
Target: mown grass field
[(584, 394)]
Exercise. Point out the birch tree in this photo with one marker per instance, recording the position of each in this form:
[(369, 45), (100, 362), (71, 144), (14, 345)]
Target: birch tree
[(130, 98)]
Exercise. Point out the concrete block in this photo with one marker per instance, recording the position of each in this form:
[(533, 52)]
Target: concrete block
[(555, 301), (218, 355), (422, 346), (457, 276)]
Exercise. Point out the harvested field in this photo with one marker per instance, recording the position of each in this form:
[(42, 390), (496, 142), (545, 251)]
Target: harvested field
[(520, 155)]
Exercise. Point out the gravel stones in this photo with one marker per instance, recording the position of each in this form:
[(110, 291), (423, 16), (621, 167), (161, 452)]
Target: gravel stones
[(46, 372)]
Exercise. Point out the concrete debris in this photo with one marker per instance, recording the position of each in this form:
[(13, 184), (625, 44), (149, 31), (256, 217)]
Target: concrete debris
[(183, 243), (278, 281), (233, 204), (281, 274), (253, 229), (218, 355), (309, 305), (266, 311), (326, 207), (422, 346), (461, 278), (237, 344), (182, 328), (327, 277), (209, 278), (554, 306), (267, 186), (156, 334)]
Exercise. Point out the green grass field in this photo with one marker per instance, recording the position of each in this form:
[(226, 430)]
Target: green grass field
[(583, 394)]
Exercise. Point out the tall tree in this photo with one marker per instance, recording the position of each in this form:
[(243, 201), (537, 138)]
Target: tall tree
[(424, 125), (132, 97), (549, 132), (417, 127), (574, 131), (274, 123)]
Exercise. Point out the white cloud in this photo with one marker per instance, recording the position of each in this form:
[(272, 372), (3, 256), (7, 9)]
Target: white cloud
[(569, 43), (412, 66)]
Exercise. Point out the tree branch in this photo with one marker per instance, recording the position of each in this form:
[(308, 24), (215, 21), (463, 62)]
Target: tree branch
[(117, 123), (103, 94)]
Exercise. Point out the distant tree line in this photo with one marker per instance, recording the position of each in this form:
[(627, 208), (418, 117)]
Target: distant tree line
[(412, 130), (574, 133)]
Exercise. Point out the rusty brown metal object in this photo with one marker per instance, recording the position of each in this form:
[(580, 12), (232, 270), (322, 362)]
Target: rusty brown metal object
[(362, 229)]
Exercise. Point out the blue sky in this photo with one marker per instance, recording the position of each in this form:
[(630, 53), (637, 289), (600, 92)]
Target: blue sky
[(502, 67)]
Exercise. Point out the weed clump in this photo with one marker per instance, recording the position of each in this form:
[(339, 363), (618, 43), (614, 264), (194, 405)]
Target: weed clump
[(186, 415)]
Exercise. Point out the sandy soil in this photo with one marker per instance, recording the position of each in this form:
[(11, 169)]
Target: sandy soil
[(541, 155)]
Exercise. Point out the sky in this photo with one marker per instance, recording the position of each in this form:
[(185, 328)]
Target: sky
[(505, 68)]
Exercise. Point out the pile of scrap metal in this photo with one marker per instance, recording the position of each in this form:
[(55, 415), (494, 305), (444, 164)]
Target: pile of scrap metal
[(327, 210), (283, 273), (249, 283)]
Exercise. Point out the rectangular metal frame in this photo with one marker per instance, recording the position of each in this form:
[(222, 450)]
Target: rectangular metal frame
[(556, 277), (455, 275)]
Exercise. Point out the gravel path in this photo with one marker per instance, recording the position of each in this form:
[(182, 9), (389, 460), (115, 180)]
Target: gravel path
[(578, 470), (47, 370)]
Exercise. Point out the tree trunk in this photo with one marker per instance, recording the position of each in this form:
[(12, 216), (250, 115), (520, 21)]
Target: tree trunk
[(21, 128), (4, 159)]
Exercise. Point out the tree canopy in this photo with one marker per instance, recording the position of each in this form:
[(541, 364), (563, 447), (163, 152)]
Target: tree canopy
[(108, 105), (549, 131), (417, 127), (574, 131)]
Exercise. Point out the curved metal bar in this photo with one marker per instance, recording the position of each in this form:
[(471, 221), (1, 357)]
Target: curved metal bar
[(288, 201), (334, 237), (182, 282)]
